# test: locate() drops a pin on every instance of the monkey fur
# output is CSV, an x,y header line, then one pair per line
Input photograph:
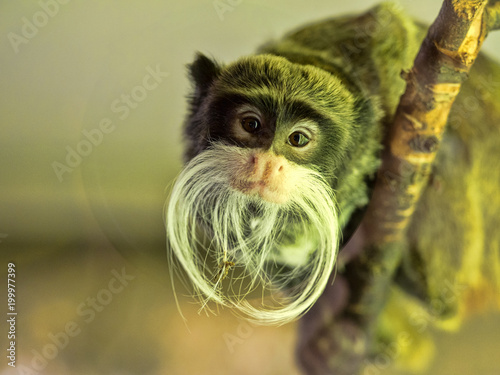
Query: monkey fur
x,y
340,81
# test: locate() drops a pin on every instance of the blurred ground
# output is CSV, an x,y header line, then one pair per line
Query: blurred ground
x,y
138,330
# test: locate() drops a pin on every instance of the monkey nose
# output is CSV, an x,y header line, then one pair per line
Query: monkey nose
x,y
264,174
266,167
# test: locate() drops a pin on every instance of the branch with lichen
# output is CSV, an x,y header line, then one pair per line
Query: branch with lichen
x,y
336,341
441,66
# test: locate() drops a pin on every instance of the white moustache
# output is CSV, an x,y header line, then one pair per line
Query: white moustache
x,y
286,249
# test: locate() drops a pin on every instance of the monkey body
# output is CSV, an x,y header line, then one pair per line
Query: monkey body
x,y
451,263
453,233
337,84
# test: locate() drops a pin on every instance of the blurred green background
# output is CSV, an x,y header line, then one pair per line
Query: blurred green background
x,y
93,97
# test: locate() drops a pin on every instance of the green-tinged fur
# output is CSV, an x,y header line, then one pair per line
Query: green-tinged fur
x,y
453,255
349,70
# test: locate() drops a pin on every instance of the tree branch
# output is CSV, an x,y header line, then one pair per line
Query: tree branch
x,y
441,66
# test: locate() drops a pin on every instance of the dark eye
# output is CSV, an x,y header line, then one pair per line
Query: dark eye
x,y
250,124
298,139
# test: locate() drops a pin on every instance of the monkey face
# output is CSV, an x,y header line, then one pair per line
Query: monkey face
x,y
266,139
299,112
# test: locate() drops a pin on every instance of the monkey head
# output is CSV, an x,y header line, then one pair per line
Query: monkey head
x,y
269,145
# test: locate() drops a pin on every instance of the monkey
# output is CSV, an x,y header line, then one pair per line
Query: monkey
x,y
282,150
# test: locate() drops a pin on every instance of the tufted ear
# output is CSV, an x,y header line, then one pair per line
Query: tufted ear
x,y
203,71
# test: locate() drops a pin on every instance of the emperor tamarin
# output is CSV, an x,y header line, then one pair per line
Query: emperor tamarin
x,y
283,146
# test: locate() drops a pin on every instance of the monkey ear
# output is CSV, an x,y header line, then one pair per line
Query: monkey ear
x,y
203,72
